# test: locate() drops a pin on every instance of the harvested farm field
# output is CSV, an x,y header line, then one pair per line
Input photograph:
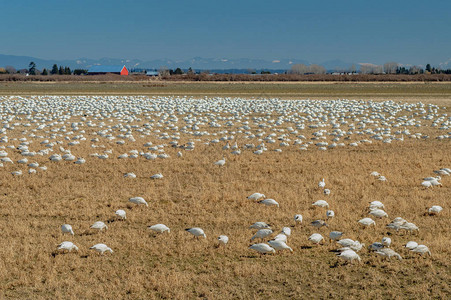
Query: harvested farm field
x,y
112,160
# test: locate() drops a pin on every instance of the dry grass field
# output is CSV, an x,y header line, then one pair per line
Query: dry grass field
x,y
196,193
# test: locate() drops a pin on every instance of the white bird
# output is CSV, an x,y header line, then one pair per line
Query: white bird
x,y
367,222
335,235
321,203
330,214
378,213
138,200
101,248
223,239
259,225
374,173
426,184
197,232
221,162
435,210
66,228
349,255
322,183
298,218
160,228
382,178
376,204
279,245
269,202
375,246
262,233
386,241
409,227
121,213
326,192
157,176
411,245
99,225
286,231
69,246
346,242
421,249
262,248
387,252
129,175
316,238
256,196
281,237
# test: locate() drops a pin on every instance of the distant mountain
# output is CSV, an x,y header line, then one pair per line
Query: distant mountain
x,y
197,63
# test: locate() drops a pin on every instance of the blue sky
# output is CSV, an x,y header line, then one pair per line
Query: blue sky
x,y
414,32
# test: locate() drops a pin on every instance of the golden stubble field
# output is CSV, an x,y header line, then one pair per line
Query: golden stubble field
x,y
196,193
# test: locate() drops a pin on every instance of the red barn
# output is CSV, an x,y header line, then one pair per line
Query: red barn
x,y
98,70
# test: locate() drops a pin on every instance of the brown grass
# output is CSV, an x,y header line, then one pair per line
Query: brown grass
x,y
194,192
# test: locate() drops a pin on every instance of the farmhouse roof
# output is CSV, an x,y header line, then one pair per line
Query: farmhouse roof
x,y
106,69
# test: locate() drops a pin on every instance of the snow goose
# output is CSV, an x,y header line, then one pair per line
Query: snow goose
x,y
318,223
196,232
298,219
281,237
223,239
387,252
262,248
138,200
259,225
256,196
101,248
349,255
121,213
221,162
386,241
262,233
157,176
279,245
66,228
411,245
421,249
321,203
335,235
316,238
99,225
434,210
69,246
160,228
286,231
330,214
322,183
367,222
269,202
379,213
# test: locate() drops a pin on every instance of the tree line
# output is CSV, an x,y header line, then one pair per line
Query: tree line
x,y
32,70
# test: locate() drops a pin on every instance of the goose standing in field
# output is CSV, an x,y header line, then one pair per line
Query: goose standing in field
x,y
379,213
223,239
388,253
138,200
434,210
322,184
221,162
269,202
376,205
330,214
319,223
261,234
281,237
335,235
375,174
129,175
69,246
346,242
316,238
160,228
382,178
196,232
279,245
66,228
367,222
298,219
101,248
326,192
386,241
421,249
349,255
157,176
411,245
321,203
256,196
262,248
260,225
121,213
409,227
99,225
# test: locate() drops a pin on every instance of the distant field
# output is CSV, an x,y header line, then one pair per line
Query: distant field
x,y
386,90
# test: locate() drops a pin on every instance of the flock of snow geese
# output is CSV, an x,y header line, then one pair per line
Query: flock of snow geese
x,y
54,126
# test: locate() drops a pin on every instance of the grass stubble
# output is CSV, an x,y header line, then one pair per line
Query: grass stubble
x,y
196,193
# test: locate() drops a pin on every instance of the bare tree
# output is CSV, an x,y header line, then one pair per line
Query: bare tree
x,y
390,67
317,69
299,69
163,71
10,69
